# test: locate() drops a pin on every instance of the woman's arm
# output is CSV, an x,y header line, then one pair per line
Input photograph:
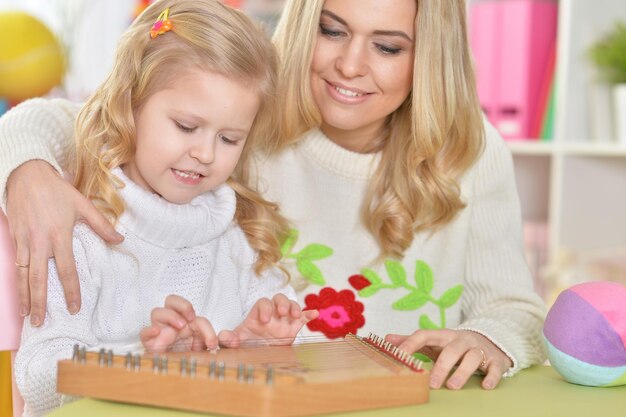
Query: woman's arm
x,y
500,302
36,139
502,315
36,129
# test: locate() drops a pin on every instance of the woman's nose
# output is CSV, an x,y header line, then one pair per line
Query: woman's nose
x,y
352,62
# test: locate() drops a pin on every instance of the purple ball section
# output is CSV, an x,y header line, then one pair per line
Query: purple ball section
x,y
576,328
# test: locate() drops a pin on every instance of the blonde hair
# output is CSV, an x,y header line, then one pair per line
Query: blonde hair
x,y
435,136
206,35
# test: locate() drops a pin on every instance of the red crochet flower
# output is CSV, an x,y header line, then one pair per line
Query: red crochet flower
x,y
340,313
359,282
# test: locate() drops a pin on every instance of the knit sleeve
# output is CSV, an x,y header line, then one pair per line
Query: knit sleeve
x,y
41,347
499,300
36,129
270,282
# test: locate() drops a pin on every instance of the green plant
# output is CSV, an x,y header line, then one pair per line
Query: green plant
x,y
609,54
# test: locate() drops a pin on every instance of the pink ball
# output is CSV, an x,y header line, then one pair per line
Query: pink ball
x,y
585,333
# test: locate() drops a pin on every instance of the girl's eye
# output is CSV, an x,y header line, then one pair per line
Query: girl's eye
x,y
184,128
228,141
326,31
388,50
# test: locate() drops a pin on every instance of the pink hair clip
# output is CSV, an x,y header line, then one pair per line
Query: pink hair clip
x,y
162,24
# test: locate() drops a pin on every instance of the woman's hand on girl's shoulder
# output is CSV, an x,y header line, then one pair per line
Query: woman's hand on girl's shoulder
x,y
42,209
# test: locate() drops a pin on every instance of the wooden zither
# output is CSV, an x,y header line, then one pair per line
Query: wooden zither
x,y
354,373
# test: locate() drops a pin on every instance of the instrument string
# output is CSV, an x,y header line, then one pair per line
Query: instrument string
x,y
336,354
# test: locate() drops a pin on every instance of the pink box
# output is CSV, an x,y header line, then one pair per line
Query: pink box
x,y
512,42
11,323
484,41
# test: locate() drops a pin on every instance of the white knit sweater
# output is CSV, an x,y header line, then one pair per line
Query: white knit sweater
x,y
192,250
471,274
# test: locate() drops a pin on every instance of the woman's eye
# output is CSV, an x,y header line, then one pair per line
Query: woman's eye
x,y
388,50
186,129
326,31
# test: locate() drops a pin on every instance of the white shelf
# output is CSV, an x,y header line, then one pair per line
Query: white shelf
x,y
594,149
531,147
591,149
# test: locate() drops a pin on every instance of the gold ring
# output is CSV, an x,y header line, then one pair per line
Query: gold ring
x,y
483,364
19,265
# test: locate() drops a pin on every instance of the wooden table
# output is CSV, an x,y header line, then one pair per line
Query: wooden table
x,y
538,391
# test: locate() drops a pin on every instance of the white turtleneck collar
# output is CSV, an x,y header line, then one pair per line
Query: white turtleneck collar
x,y
168,225
337,159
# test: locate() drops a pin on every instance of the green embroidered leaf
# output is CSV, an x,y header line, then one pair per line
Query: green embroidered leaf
x,y
289,242
371,276
315,251
412,301
424,277
426,323
422,357
310,271
451,296
369,291
396,272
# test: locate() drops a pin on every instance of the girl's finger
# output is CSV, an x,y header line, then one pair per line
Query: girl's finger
x,y
262,310
309,315
181,305
161,316
295,311
282,304
203,334
228,338
149,333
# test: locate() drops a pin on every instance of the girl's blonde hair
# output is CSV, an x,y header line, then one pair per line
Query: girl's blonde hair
x,y
205,35
431,139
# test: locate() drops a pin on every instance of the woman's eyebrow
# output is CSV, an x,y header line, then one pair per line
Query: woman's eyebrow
x,y
376,32
393,33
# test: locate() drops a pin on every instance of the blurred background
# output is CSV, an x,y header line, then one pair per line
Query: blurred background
x,y
551,78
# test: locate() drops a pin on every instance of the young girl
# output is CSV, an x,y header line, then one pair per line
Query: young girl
x,y
402,197
162,146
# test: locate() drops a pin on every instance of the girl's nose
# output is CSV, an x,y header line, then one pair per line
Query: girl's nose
x,y
203,151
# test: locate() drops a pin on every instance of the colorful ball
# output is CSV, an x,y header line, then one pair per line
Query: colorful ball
x,y
32,62
585,334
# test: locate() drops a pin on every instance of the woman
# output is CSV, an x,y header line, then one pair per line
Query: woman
x,y
403,203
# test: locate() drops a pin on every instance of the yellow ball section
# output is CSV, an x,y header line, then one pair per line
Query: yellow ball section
x,y
31,58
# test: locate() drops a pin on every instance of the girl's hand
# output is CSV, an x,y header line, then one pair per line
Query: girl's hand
x,y
176,328
42,209
276,321
461,348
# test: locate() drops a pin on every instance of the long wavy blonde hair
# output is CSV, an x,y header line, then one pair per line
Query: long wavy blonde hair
x,y
206,35
434,137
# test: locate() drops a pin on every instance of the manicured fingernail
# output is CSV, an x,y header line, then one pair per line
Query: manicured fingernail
x,y
23,311
453,383
35,321
73,308
488,385
435,383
